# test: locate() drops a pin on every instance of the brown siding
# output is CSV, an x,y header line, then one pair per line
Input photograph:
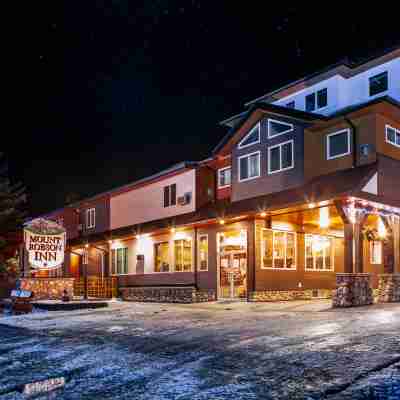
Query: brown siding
x,y
388,178
383,147
205,186
102,206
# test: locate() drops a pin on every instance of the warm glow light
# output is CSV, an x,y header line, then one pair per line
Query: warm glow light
x,y
381,228
311,205
221,222
173,230
320,243
110,242
86,245
138,237
324,217
263,214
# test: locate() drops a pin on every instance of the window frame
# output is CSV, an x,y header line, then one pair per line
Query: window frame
x,y
256,126
202,235
171,199
333,255
155,257
259,166
396,132
315,93
90,218
291,129
191,254
219,174
291,104
293,268
371,252
114,261
280,145
374,76
328,147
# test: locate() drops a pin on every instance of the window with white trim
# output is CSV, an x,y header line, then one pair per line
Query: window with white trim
x,y
170,195
393,135
224,177
338,144
317,100
375,251
278,249
203,253
277,128
119,261
378,83
249,166
281,157
251,138
90,218
183,255
319,253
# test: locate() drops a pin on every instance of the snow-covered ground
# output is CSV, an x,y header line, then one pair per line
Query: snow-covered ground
x,y
292,350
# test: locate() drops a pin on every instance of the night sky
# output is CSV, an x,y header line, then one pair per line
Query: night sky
x,y
117,90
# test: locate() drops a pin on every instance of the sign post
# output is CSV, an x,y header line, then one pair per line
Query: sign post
x,y
45,244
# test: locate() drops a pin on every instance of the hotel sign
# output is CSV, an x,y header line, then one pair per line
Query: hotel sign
x,y
45,243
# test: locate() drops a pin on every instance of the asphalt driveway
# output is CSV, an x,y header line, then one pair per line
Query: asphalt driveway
x,y
288,350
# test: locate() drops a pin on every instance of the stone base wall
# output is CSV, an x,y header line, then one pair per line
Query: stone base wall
x,y
48,288
167,294
352,290
287,295
389,288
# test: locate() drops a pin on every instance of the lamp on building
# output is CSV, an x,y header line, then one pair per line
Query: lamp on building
x,y
173,230
263,214
324,217
222,222
381,228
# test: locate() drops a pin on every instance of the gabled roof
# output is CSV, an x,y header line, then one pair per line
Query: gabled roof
x,y
344,67
238,120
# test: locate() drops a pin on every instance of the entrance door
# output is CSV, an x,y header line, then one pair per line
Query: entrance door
x,y
232,257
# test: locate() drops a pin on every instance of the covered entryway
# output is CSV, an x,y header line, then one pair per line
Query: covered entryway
x,y
232,264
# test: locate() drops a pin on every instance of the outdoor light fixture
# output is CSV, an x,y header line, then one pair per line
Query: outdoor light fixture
x,y
324,217
221,222
87,245
381,228
311,205
173,230
263,214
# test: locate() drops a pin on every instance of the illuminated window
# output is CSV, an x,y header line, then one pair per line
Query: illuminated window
x,y
252,137
375,251
119,261
90,218
203,253
319,253
161,257
378,83
278,249
249,166
183,255
170,195
224,177
393,136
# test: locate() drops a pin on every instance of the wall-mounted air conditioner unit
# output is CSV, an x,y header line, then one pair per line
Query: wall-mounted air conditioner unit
x,y
185,199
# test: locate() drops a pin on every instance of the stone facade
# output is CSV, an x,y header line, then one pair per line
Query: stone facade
x,y
352,290
167,294
281,295
48,288
389,288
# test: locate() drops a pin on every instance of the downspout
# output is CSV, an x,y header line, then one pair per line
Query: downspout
x,y
354,141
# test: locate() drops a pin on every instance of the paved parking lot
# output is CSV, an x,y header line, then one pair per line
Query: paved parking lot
x,y
288,350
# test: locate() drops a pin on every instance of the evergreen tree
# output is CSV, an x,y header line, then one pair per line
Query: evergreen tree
x,y
12,214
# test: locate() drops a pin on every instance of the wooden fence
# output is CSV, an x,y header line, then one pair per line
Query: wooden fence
x,y
102,288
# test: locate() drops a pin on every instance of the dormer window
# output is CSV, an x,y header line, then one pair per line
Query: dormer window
x,y
251,138
224,177
378,83
277,128
317,100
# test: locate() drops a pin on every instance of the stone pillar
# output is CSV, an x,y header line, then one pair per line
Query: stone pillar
x,y
389,288
352,290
